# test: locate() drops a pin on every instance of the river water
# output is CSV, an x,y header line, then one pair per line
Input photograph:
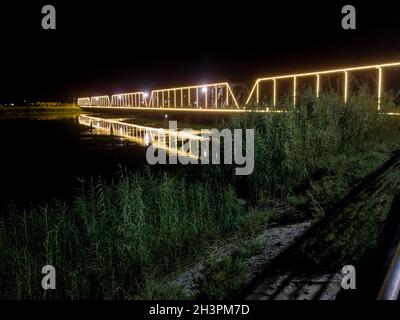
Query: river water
x,y
41,157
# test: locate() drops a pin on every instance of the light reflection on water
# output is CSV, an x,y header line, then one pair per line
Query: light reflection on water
x,y
172,141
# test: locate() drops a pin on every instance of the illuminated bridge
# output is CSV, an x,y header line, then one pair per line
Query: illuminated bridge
x,y
269,92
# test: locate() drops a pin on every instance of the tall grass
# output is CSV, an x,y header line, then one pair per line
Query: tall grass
x,y
114,237
293,145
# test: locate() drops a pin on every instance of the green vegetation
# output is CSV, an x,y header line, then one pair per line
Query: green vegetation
x,y
121,239
355,233
356,230
312,139
223,279
114,237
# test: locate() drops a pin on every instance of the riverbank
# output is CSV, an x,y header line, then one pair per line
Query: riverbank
x,y
41,109
122,239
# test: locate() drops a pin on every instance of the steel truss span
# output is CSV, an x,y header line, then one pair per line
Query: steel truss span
x,y
220,97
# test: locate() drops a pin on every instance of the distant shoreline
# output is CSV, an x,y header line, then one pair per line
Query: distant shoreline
x,y
35,110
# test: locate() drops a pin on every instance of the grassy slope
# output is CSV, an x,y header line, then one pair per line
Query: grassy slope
x,y
327,247
355,228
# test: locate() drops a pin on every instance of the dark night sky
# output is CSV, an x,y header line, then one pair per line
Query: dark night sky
x,y
110,46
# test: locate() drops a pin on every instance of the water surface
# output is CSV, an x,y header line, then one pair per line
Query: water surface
x,y
42,156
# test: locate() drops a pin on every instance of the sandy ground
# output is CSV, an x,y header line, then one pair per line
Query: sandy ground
x,y
275,241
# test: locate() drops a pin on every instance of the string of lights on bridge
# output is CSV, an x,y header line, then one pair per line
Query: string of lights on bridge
x,y
220,97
